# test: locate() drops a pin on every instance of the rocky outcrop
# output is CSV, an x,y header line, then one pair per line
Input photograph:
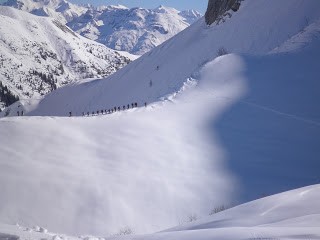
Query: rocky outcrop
x,y
217,8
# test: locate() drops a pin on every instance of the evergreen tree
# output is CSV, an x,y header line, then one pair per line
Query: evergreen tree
x,y
6,96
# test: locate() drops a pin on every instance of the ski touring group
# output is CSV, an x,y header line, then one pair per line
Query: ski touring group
x,y
109,111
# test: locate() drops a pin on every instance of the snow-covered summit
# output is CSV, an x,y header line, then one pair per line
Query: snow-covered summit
x,y
59,9
135,30
191,16
118,6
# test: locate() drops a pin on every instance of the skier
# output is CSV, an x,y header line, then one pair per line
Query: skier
x,y
145,104
70,114
136,104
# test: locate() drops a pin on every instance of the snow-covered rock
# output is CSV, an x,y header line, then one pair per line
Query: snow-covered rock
x,y
39,54
133,30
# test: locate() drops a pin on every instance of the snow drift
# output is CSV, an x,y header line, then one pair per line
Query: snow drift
x,y
282,216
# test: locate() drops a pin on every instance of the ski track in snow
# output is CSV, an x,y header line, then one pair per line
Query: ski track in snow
x,y
268,109
308,121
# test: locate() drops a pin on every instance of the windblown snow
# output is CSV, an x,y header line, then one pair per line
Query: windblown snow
x,y
216,131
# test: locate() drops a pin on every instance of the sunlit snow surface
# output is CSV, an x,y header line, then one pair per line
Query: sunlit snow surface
x,y
216,131
285,216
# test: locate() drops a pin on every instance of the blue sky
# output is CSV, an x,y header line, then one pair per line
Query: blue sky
x,y
199,5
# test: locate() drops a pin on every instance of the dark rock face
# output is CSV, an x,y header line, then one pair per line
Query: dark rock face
x,y
217,8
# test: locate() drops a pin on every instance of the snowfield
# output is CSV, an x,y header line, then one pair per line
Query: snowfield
x,y
216,131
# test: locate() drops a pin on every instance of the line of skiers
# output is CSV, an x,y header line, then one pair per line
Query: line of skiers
x,y
109,111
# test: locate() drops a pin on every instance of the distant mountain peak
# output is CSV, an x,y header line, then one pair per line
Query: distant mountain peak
x,y
118,6
166,10
62,10
38,55
136,30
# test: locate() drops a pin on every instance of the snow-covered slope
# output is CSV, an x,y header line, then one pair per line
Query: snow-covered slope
x,y
223,141
135,30
296,208
39,54
164,70
282,216
228,130
289,215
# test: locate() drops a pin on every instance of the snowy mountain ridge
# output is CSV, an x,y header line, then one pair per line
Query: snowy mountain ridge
x,y
59,9
39,54
135,30
180,66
